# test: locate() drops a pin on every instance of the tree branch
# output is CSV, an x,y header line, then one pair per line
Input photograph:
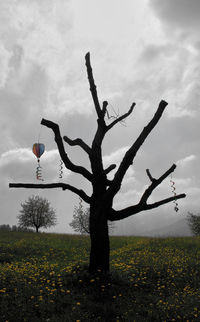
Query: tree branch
x,y
149,175
119,119
92,85
132,210
58,139
164,201
110,168
131,153
104,109
78,142
64,186
142,205
116,215
155,183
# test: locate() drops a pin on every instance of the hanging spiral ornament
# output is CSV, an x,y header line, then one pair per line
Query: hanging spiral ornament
x,y
174,193
61,169
39,171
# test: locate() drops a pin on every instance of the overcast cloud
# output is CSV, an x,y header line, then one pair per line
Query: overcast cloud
x,y
141,51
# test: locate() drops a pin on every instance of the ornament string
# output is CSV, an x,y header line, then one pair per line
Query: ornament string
x,y
61,169
39,171
174,193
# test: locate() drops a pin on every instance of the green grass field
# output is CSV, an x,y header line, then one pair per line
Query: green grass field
x,y
43,277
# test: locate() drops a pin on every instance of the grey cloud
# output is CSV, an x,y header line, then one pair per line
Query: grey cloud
x,y
153,52
23,110
17,56
182,14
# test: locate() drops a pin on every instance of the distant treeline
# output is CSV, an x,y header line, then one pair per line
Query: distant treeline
x,y
14,228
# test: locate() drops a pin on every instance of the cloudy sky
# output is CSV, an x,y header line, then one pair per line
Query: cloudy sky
x,y
141,51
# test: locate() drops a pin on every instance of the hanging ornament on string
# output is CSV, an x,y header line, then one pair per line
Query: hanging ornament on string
x,y
38,150
61,169
174,193
114,115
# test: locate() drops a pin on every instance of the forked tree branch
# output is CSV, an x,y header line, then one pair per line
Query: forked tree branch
x,y
58,139
142,205
133,210
155,183
149,175
102,128
131,153
78,142
64,186
119,119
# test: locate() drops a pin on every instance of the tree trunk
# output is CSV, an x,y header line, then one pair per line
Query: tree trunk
x,y
37,229
100,248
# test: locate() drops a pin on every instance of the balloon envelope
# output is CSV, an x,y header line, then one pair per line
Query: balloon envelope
x,y
38,149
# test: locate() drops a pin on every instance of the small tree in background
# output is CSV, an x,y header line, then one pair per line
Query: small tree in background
x,y
37,213
80,222
194,223
14,228
5,227
81,219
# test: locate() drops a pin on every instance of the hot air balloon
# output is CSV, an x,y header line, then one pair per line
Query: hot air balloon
x,y
38,150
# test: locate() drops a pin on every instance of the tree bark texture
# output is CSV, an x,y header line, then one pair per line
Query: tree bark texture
x,y
100,248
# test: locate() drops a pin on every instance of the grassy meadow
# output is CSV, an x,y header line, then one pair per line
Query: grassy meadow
x,y
43,277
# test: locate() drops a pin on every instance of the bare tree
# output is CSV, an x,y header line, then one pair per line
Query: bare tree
x,y
80,221
37,213
194,223
103,189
